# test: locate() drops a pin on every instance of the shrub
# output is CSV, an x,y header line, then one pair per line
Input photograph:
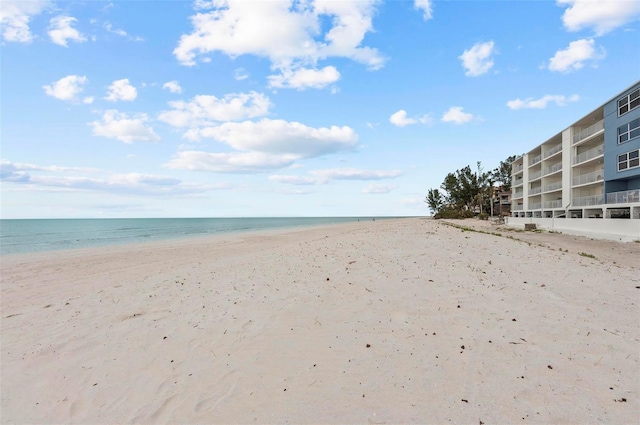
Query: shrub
x,y
483,216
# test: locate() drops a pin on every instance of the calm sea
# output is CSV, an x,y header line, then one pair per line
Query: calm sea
x,y
22,236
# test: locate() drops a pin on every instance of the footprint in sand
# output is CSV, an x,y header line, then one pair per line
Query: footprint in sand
x,y
227,385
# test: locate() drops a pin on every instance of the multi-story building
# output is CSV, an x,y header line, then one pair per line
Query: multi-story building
x,y
589,170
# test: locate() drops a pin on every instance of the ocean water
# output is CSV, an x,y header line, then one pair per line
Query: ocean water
x,y
24,236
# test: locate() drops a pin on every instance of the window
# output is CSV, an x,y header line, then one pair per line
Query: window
x,y
629,160
629,131
629,102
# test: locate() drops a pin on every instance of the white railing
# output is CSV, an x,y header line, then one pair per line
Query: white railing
x,y
586,201
553,186
552,168
535,205
535,190
517,182
624,197
536,159
517,194
591,177
588,155
553,150
517,168
517,207
535,175
589,131
553,204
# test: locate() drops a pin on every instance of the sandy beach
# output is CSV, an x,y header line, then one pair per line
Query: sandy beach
x,y
376,322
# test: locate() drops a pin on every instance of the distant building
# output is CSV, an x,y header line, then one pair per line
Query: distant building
x,y
591,169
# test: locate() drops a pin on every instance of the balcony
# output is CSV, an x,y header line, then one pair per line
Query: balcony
x,y
552,168
624,197
553,186
535,205
588,155
535,160
553,150
517,168
591,177
517,182
535,190
535,175
516,195
553,204
587,201
588,132
517,207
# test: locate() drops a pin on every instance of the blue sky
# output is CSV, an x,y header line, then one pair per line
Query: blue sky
x,y
237,108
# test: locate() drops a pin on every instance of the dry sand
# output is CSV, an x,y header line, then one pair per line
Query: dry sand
x,y
392,321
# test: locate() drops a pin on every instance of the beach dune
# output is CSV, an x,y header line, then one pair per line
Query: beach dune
x,y
386,321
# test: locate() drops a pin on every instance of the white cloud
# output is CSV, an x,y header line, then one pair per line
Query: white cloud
x,y
323,176
290,34
602,16
116,31
573,57
456,115
66,88
206,109
426,7
245,162
88,100
377,189
68,178
121,90
119,31
118,125
172,86
541,103
240,74
354,174
282,137
304,78
264,146
60,30
294,180
477,60
400,119
15,16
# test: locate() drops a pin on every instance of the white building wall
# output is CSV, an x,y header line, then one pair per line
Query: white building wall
x,y
567,160
617,230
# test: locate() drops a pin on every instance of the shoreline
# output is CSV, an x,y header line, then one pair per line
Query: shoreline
x,y
397,321
160,237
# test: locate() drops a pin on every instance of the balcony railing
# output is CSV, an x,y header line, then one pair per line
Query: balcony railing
x,y
517,194
535,190
591,177
535,175
588,155
586,201
535,205
536,159
552,168
553,204
624,197
553,186
517,168
589,131
553,150
517,207
517,182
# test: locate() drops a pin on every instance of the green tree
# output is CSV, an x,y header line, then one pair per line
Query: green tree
x,y
502,174
434,200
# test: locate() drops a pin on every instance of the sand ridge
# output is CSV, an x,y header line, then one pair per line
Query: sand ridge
x,y
392,321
